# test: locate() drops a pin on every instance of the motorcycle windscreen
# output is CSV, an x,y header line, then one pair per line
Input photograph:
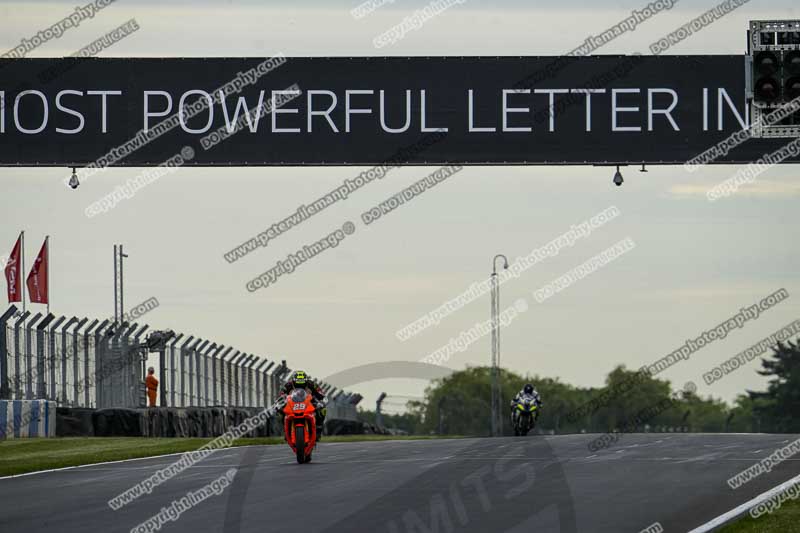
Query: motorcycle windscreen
x,y
298,395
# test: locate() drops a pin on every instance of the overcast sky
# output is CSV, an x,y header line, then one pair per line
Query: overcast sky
x,y
694,265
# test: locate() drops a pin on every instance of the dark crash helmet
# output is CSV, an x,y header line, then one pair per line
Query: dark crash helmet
x,y
528,388
298,379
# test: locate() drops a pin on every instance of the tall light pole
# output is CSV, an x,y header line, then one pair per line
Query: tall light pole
x,y
119,299
497,420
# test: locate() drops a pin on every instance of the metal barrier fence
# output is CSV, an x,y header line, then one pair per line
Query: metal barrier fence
x,y
82,363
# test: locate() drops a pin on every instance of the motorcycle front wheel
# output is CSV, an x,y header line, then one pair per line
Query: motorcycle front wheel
x,y
300,444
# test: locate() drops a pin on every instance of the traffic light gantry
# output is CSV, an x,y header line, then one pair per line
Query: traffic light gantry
x,y
774,76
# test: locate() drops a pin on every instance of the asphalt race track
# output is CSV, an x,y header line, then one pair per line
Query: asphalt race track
x,y
537,484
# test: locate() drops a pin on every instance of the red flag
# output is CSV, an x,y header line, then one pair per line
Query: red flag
x,y
37,279
14,273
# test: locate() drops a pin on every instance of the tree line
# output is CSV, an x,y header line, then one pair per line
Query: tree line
x,y
459,403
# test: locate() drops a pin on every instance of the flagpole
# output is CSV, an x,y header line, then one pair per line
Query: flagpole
x,y
22,263
47,252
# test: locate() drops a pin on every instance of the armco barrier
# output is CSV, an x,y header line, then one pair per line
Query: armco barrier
x,y
181,422
27,418
158,422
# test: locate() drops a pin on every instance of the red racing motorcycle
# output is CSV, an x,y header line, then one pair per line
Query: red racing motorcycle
x,y
300,424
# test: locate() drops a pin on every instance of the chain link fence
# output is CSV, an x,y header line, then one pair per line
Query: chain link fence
x,y
78,362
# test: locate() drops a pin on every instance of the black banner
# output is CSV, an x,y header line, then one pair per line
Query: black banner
x,y
364,111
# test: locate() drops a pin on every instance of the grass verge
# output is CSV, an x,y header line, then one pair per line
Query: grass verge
x,y
20,456
783,520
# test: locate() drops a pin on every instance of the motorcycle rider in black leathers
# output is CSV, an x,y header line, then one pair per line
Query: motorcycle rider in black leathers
x,y
300,380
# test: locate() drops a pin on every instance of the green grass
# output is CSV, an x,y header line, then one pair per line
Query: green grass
x,y
30,455
786,519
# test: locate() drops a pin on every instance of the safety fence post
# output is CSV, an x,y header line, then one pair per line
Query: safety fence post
x,y
5,390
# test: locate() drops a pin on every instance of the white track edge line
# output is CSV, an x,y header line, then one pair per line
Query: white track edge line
x,y
743,508
122,461
181,453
